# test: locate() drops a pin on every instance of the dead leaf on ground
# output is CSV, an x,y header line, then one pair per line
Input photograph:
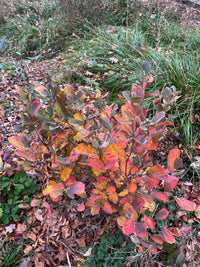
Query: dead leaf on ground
x,y
197,212
21,228
10,228
88,252
28,249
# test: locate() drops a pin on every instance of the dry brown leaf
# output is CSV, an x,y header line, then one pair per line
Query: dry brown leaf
x,y
81,242
28,249
39,263
197,212
39,215
21,227
10,228
88,252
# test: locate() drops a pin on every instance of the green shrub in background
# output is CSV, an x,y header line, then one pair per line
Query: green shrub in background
x,y
15,190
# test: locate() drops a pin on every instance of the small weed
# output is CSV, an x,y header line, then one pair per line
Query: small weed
x,y
15,190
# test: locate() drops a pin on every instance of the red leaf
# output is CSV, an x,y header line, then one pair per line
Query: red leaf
x,y
141,229
157,239
91,200
128,227
153,249
160,195
170,183
173,154
81,207
149,222
70,180
162,214
27,155
151,183
46,205
96,164
102,179
76,188
168,236
138,203
186,204
110,190
156,171
107,208
124,200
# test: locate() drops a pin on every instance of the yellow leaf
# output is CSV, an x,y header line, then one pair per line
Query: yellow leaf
x,y
65,173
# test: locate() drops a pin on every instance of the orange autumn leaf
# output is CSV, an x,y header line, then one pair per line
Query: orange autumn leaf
x,y
54,191
65,173
113,197
157,239
132,187
128,209
173,154
121,220
110,190
149,222
88,150
16,141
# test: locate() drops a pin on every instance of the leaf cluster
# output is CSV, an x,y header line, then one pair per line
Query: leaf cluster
x,y
66,128
15,190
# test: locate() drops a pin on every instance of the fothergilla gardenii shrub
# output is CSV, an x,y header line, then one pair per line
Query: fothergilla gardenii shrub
x,y
115,142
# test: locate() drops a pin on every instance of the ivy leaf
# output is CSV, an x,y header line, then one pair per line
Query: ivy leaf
x,y
186,204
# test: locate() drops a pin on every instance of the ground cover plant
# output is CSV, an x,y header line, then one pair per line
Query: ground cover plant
x,y
15,191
